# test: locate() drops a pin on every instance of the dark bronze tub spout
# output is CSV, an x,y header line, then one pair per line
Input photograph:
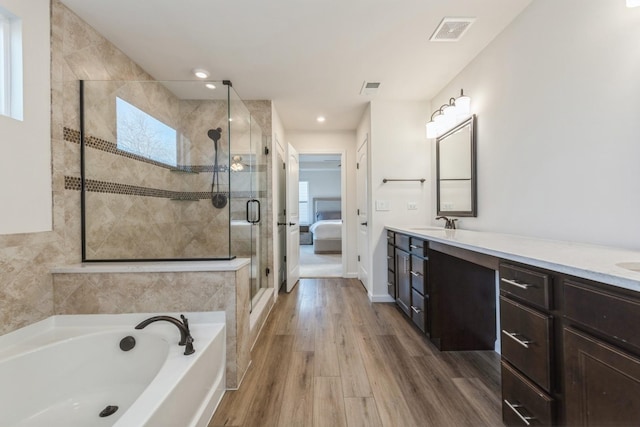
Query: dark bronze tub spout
x,y
185,335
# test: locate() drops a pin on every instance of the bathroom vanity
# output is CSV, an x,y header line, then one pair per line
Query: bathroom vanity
x,y
567,316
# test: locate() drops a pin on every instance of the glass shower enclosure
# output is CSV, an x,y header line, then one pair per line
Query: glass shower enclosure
x,y
171,171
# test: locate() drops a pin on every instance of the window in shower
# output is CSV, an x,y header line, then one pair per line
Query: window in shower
x,y
141,134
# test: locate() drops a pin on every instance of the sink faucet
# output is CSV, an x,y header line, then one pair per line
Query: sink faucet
x,y
185,334
450,222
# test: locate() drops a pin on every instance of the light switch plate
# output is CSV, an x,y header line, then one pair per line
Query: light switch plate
x,y
383,205
412,206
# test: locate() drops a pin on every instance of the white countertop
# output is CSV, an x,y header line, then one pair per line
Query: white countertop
x,y
592,262
153,266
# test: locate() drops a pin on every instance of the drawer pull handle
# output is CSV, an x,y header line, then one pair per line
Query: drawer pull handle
x,y
512,335
514,407
414,246
514,283
416,309
389,257
413,273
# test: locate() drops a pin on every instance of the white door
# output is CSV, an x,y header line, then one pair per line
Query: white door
x,y
282,220
293,218
363,217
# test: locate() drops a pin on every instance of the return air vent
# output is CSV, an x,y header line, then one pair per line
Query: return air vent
x,y
451,29
369,88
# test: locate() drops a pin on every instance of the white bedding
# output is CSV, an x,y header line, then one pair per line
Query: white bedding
x,y
327,229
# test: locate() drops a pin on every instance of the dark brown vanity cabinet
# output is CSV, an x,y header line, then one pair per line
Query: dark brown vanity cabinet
x,y
410,285
527,342
391,264
601,355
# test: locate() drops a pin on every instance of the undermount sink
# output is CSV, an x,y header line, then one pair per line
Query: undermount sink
x,y
633,266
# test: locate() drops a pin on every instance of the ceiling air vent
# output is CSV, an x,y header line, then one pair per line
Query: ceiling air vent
x,y
369,88
451,29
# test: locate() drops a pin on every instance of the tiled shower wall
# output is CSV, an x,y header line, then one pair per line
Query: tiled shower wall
x,y
162,211
78,52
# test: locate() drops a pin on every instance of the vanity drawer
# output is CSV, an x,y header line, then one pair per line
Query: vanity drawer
x,y
418,304
391,257
522,402
418,273
617,316
391,283
526,341
391,237
402,242
529,285
418,247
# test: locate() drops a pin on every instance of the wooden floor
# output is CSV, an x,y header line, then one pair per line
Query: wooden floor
x,y
329,357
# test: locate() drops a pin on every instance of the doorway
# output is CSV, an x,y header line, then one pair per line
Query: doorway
x,y
321,217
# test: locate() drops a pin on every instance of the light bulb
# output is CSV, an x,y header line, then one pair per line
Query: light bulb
x,y
463,105
432,130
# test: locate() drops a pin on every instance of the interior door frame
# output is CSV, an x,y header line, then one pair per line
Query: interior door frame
x,y
343,194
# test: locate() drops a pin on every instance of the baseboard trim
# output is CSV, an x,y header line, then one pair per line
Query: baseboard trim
x,y
351,276
381,298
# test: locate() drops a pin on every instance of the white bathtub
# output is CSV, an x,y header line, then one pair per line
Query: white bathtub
x,y
63,371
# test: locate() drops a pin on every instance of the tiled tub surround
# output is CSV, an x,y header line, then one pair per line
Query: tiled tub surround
x,y
114,288
593,262
64,370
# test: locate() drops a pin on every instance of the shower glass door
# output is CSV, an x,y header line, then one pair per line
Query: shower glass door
x,y
248,192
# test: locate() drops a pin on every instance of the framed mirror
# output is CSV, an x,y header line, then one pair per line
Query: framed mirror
x,y
456,170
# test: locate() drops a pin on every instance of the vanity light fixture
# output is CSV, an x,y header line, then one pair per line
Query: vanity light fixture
x,y
448,115
633,3
200,73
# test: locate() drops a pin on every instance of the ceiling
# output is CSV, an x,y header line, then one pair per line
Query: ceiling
x,y
311,57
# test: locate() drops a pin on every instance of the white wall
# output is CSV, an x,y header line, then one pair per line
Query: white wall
x,y
399,149
336,142
25,146
557,100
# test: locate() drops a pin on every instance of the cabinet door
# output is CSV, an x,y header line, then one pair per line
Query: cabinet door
x,y
403,281
602,382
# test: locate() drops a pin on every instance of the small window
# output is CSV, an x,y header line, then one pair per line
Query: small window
x,y
303,200
10,65
141,134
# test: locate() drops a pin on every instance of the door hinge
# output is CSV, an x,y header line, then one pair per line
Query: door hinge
x,y
358,211
284,166
266,150
285,258
358,258
357,165
267,271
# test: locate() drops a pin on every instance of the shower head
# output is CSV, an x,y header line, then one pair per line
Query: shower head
x,y
215,134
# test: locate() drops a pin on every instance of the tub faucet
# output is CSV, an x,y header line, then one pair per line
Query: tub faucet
x,y
185,334
450,222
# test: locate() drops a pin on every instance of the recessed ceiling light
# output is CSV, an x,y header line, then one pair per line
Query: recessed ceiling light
x,y
200,73
210,86
321,119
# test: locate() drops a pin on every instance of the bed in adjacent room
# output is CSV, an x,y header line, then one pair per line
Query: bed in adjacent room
x,y
327,228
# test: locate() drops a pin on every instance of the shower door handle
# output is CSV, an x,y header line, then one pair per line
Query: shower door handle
x,y
249,202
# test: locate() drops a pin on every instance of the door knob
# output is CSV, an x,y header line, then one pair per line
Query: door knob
x,y
291,224
281,223
364,223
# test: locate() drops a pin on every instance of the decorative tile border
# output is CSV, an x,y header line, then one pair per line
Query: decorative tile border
x,y
94,186
73,136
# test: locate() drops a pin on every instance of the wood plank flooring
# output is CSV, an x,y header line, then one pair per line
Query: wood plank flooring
x,y
328,357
